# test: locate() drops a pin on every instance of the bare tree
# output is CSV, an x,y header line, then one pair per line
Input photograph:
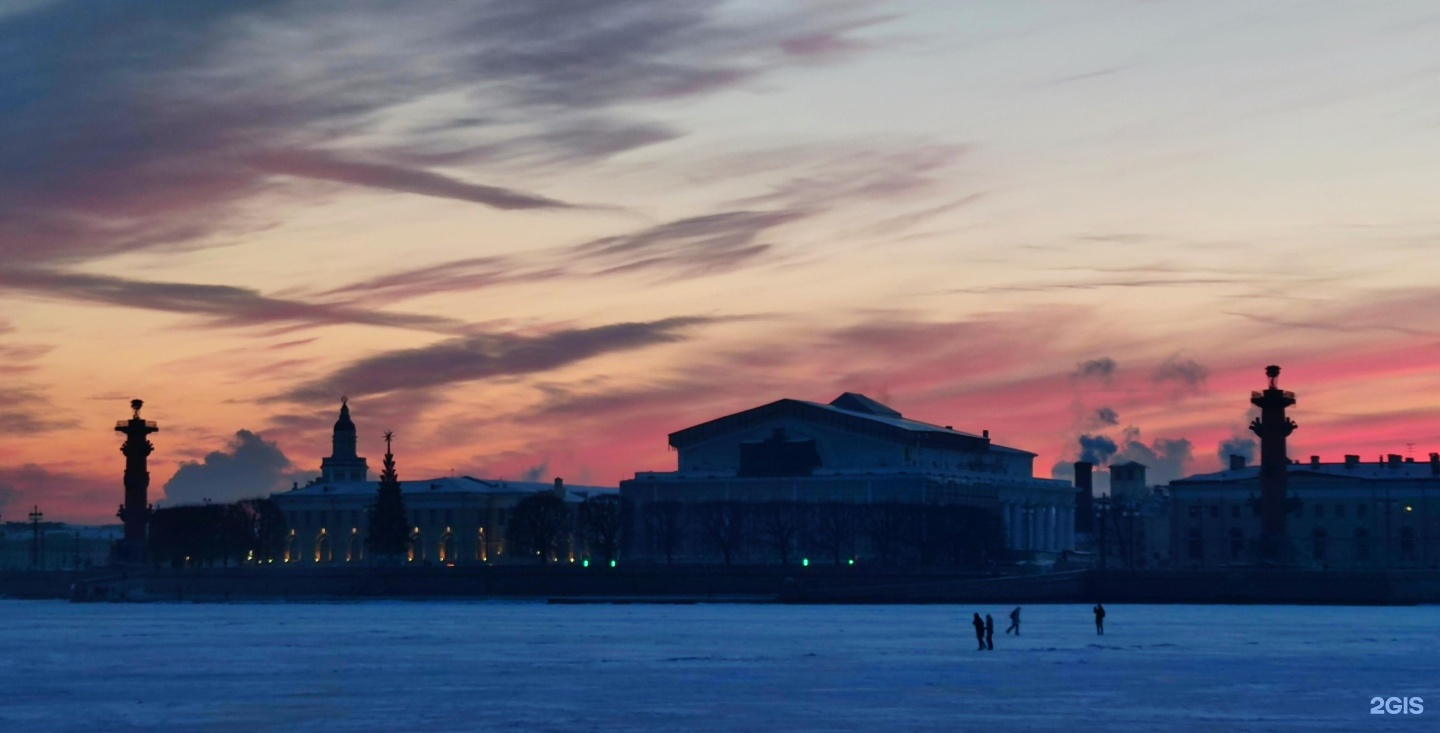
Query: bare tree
x,y
834,528
602,524
781,525
968,535
723,527
885,526
540,525
665,525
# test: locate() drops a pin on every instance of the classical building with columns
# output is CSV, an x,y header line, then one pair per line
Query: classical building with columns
x,y
455,520
852,451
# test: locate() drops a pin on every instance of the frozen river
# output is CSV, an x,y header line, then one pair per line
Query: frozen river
x,y
518,666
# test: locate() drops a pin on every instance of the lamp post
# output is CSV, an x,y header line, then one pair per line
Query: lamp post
x,y
35,556
1102,514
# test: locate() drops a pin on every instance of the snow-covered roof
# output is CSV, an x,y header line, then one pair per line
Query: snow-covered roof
x,y
862,413
446,485
1356,471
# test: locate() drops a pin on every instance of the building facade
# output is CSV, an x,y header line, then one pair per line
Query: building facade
x,y
1351,514
855,451
455,520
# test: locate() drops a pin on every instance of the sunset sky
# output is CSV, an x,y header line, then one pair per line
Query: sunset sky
x,y
533,238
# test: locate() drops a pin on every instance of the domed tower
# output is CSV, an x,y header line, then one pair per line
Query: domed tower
x,y
343,465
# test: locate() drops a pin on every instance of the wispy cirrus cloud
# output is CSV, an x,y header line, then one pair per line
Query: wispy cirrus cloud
x,y
487,355
217,305
180,163
26,410
688,247
327,167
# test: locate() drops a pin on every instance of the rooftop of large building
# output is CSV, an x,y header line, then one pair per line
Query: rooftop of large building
x,y
447,485
853,407
1392,468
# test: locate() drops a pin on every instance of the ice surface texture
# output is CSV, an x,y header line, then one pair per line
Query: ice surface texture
x,y
521,666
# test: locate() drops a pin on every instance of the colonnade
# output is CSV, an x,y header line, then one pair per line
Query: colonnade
x,y
1038,527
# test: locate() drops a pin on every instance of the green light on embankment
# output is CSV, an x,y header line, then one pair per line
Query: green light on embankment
x,y
805,562
852,561
584,563
612,563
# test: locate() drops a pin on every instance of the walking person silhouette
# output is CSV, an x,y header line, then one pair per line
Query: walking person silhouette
x,y
989,632
1014,621
979,631
1099,619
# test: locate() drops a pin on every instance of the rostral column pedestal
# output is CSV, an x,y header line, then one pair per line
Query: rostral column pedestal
x,y
135,512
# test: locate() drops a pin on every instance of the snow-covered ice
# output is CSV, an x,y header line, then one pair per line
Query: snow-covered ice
x,y
526,666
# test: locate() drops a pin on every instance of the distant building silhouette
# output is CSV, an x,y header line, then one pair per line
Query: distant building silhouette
x,y
1349,514
852,451
456,520
135,512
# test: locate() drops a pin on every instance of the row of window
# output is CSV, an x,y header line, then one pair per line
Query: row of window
x,y
1317,510
356,518
1319,544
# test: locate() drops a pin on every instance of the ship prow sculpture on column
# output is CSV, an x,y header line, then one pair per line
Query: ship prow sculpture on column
x,y
135,512
1273,427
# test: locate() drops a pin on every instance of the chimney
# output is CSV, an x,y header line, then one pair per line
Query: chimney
x,y
1084,498
1237,462
985,434
1351,461
559,487
1393,459
1314,461
1435,464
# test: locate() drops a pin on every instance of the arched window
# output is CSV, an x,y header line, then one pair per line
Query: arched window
x,y
1317,542
417,547
1237,543
446,550
1362,544
481,553
1407,543
1197,546
322,546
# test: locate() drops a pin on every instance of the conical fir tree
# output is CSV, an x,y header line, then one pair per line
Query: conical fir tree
x,y
389,530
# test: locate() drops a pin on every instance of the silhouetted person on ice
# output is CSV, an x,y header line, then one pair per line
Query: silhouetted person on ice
x,y
1099,619
979,631
989,632
1014,621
